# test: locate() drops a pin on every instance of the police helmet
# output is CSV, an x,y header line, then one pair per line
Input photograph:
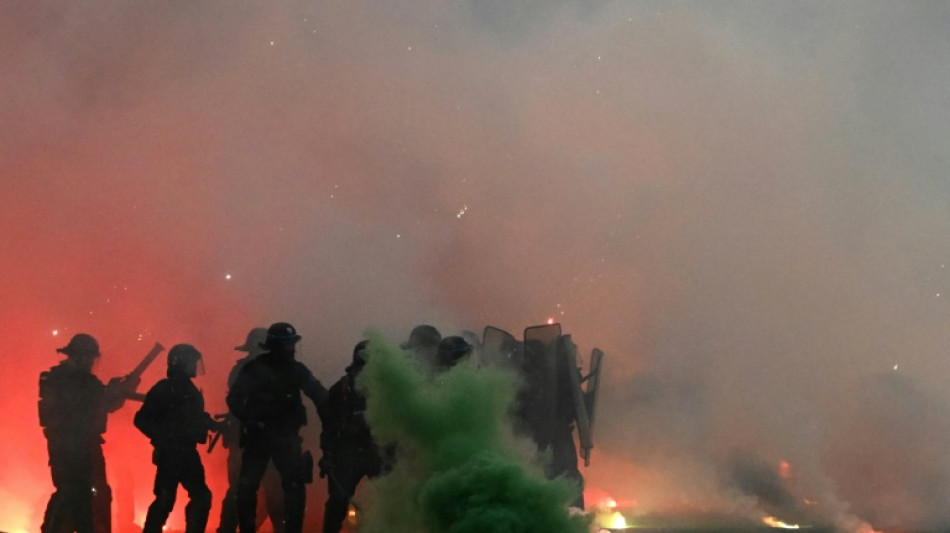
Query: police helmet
x,y
252,345
182,355
423,335
360,356
280,331
452,349
80,344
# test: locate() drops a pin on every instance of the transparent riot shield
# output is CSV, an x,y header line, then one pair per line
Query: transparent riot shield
x,y
500,349
538,398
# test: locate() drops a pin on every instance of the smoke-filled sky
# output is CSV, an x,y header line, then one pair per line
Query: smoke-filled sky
x,y
744,204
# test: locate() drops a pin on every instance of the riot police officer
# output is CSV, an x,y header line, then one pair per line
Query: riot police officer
x,y
349,453
545,410
266,399
73,408
272,503
173,416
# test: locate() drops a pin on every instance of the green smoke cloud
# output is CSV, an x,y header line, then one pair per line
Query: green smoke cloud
x,y
458,467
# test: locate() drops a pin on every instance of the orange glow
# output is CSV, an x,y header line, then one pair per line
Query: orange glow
x,y
15,520
614,520
600,499
607,514
771,521
784,470
164,308
352,518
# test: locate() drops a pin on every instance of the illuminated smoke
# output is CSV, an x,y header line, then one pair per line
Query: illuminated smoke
x,y
743,204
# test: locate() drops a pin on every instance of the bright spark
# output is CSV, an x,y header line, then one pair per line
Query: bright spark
x,y
550,320
462,211
55,332
227,276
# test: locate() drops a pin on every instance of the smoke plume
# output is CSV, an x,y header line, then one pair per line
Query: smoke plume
x,y
458,468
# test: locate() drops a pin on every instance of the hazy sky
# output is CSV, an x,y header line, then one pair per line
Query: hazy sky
x,y
744,204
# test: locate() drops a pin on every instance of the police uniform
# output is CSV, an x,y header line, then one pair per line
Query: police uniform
x,y
272,504
73,407
266,399
173,417
349,453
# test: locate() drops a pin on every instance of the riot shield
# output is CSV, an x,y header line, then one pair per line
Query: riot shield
x,y
538,398
500,349
593,384
568,356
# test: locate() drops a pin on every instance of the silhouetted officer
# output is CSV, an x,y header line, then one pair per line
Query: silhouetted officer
x,y
563,447
273,500
349,453
173,416
266,399
424,343
545,410
451,351
73,408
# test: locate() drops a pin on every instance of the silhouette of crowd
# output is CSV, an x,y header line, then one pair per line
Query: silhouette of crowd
x,y
261,430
